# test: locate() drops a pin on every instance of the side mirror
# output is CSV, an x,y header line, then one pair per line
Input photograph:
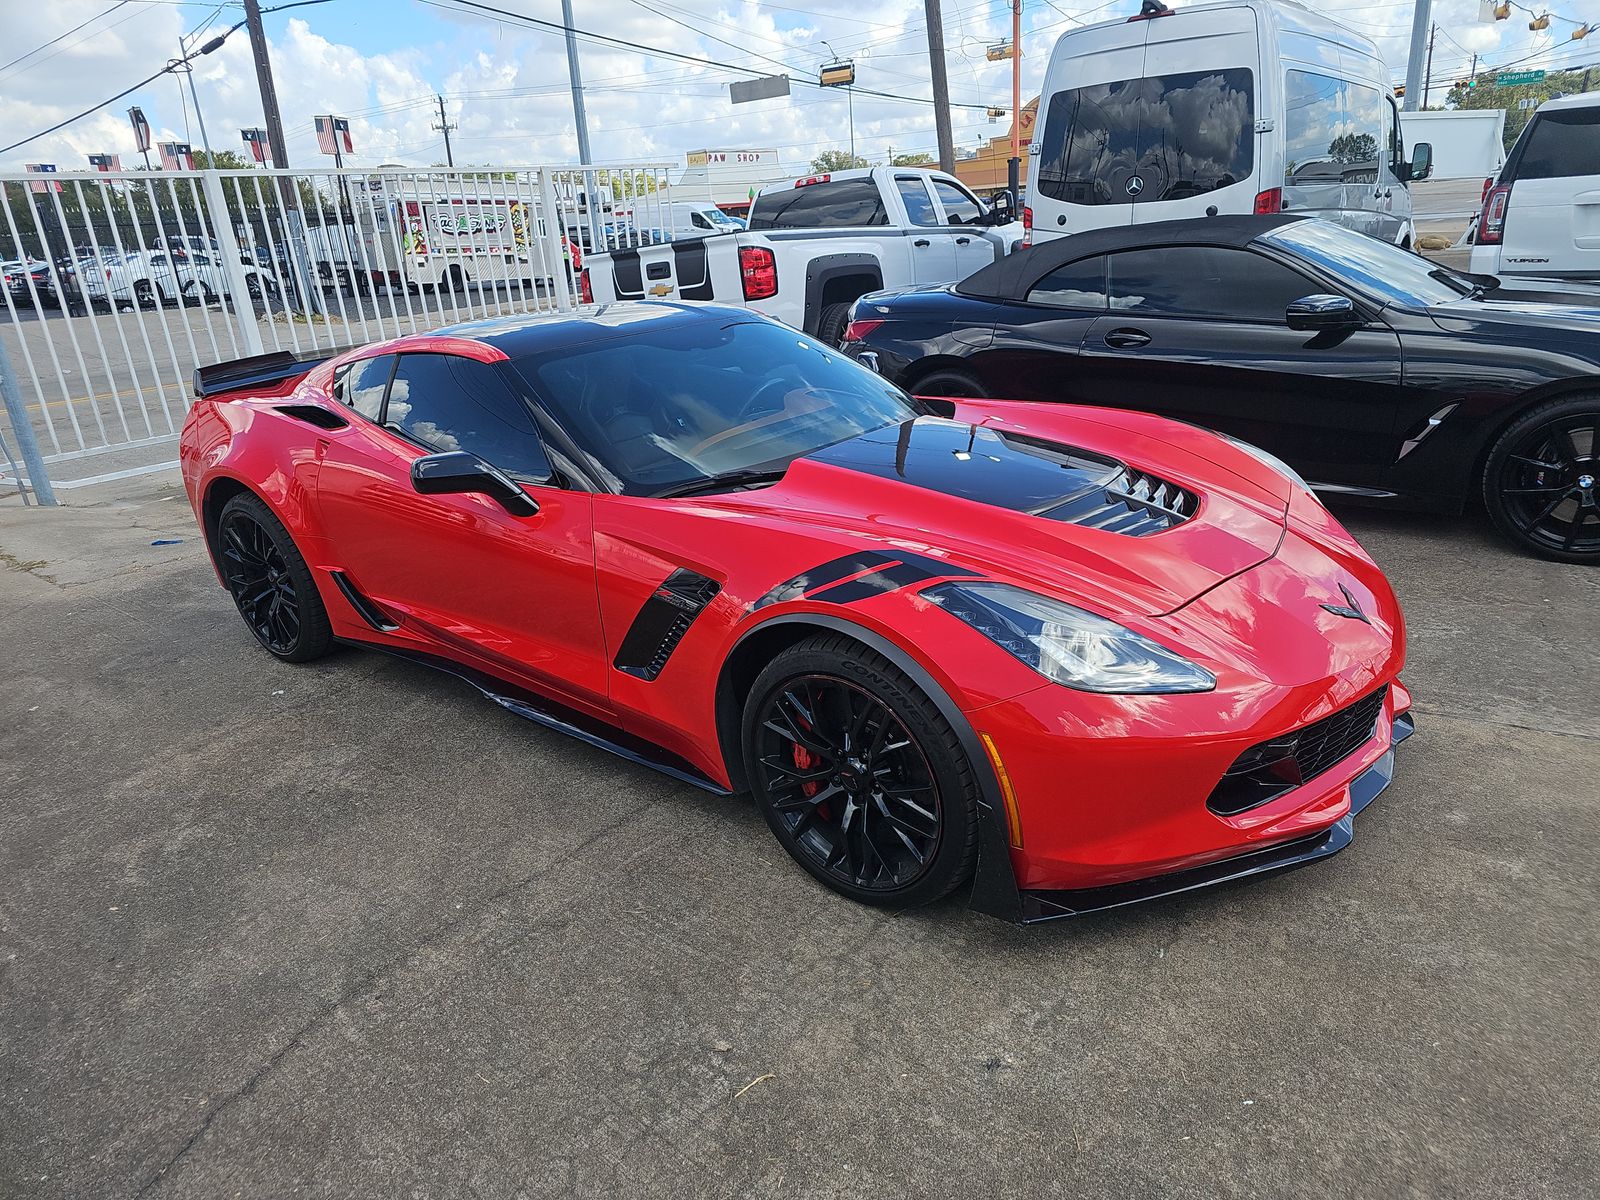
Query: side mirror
x,y
1002,209
1322,312
1421,160
459,473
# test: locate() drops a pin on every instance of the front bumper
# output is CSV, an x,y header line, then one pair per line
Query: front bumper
x,y
1048,905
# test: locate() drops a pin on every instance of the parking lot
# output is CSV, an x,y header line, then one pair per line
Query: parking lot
x,y
351,930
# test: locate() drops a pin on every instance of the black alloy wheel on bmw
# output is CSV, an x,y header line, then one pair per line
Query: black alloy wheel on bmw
x,y
270,582
1542,480
859,776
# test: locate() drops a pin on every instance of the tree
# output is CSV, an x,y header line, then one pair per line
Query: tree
x,y
918,159
837,160
1487,95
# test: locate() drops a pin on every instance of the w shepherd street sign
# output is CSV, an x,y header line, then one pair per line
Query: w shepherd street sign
x,y
1512,78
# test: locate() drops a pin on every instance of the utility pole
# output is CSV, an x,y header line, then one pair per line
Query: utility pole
x,y
1014,167
27,443
941,85
581,119
1427,73
1420,24
445,127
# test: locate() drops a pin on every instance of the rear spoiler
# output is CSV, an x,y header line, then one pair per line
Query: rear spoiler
x,y
259,371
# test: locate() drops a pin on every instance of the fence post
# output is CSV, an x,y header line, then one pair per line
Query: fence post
x,y
244,309
554,225
27,443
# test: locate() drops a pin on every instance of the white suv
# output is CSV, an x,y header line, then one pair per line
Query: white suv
x,y
1541,216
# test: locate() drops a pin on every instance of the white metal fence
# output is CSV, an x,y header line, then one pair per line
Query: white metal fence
x,y
118,285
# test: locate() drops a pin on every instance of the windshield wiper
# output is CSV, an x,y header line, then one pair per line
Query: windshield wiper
x,y
1465,284
726,480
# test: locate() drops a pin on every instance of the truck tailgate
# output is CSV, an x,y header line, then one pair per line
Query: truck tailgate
x,y
677,270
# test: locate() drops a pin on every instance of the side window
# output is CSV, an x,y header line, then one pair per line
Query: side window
x,y
1357,148
364,385
1562,143
821,206
1203,281
336,387
1313,122
919,205
1397,141
449,403
959,208
699,221
1076,285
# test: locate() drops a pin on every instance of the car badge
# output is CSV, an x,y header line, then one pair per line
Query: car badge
x,y
1350,608
1134,186
661,289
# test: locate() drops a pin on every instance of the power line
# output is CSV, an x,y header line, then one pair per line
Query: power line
x,y
67,34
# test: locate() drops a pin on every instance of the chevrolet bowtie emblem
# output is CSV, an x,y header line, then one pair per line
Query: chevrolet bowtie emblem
x,y
661,289
1350,608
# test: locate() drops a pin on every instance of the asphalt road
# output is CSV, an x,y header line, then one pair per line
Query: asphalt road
x,y
348,930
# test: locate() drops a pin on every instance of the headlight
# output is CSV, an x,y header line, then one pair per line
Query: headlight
x,y
1068,645
1269,460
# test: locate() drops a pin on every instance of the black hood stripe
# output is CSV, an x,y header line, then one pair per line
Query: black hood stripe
x,y
884,572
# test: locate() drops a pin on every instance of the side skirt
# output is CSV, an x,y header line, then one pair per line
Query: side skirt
x,y
554,715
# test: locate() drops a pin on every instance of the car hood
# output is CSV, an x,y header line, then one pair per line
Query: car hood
x,y
1127,516
1527,304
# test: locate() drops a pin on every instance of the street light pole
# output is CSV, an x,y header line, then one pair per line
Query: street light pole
x,y
1014,167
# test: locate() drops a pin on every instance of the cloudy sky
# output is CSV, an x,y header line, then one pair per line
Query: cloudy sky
x,y
380,62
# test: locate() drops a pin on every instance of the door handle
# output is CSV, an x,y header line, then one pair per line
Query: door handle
x,y
962,241
921,242
1127,339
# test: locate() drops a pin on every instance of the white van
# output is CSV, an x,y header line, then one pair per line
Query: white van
x,y
1541,215
1238,107
691,219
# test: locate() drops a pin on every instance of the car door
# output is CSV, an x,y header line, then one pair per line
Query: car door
x,y
1198,333
518,591
1553,217
933,249
1034,349
961,211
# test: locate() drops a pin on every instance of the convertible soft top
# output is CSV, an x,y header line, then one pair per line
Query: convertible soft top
x,y
1010,277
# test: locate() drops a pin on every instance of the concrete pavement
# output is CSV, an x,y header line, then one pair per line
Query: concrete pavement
x,y
348,930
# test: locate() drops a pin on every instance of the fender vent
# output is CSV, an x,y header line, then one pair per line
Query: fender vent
x,y
662,621
313,414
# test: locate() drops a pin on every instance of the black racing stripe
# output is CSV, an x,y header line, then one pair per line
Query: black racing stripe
x,y
823,574
894,569
889,579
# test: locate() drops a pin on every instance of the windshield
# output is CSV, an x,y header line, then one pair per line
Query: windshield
x,y
1383,271
672,406
719,219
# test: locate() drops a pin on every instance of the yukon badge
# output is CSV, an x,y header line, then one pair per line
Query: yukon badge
x,y
1350,608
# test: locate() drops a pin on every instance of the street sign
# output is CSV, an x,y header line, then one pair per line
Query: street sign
x,y
764,88
1513,78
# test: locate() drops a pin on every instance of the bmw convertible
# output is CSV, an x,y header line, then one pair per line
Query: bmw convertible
x,y
1067,657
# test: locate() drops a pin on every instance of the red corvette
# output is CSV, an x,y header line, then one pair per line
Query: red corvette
x,y
1078,656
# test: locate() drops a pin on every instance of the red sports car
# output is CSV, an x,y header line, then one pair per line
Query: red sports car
x,y
1081,657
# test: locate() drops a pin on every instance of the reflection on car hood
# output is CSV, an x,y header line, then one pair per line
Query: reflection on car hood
x,y
1125,521
1529,303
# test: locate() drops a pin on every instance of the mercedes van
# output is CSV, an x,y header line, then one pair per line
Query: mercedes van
x,y
1243,106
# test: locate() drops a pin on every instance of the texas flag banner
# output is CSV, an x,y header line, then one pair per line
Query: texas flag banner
x,y
42,185
256,139
106,162
141,130
333,135
176,156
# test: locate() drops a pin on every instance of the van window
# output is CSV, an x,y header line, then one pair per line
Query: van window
x,y
821,205
1333,130
1562,143
1203,281
1165,137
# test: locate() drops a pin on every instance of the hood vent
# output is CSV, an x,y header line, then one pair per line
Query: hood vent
x,y
1130,502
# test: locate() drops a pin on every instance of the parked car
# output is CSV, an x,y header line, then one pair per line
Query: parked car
x,y
33,283
1378,375
689,535
1249,106
1541,215
818,244
151,278
692,219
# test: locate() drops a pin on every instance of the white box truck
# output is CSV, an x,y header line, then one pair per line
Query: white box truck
x,y
1244,106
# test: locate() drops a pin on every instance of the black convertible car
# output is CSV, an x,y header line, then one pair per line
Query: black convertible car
x,y
1376,374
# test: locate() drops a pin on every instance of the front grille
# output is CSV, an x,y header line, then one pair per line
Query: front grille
x,y
1131,502
1268,770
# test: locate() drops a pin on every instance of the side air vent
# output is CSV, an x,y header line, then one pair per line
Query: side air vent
x,y
1268,770
1130,502
313,414
662,621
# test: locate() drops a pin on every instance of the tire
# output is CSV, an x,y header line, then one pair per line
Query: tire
x,y
1541,480
831,324
270,582
456,280
144,294
957,384
896,824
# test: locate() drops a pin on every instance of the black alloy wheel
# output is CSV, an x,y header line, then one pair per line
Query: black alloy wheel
x,y
859,776
1542,480
270,582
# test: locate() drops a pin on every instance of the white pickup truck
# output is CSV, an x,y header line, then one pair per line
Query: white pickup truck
x,y
817,245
